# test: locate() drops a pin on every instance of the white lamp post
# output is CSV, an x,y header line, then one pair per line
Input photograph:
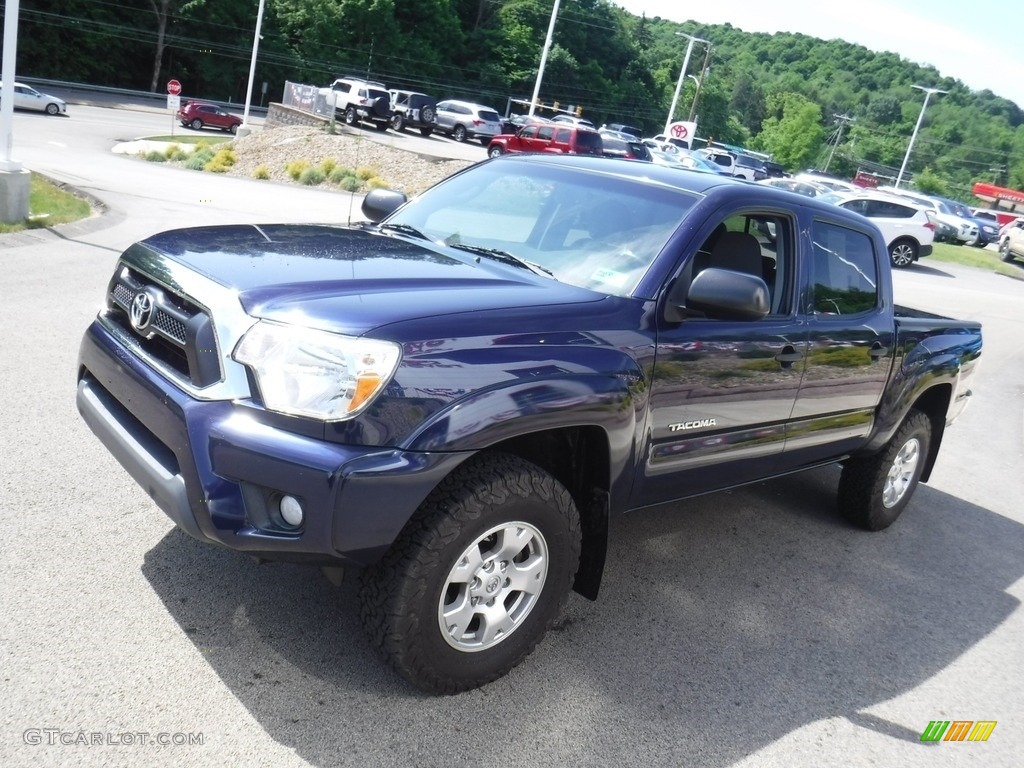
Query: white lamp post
x,y
682,76
244,129
544,58
927,95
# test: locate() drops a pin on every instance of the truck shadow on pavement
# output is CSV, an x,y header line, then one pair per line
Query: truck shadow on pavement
x,y
725,623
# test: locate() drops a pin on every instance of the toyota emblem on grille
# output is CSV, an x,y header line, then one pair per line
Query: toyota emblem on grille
x,y
142,311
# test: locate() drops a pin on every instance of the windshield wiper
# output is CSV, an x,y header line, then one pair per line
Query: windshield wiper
x,y
503,256
405,229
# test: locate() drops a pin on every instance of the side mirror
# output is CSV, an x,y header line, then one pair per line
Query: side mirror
x,y
381,203
726,295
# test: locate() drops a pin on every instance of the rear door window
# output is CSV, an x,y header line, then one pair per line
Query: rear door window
x,y
845,276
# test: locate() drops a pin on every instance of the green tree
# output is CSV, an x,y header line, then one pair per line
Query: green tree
x,y
792,133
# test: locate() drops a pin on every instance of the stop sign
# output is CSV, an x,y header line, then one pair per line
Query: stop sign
x,y
173,87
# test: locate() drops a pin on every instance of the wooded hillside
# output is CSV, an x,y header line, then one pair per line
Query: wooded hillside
x,y
779,93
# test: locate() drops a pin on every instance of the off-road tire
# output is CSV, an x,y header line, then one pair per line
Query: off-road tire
x,y
397,122
382,108
874,490
403,596
351,116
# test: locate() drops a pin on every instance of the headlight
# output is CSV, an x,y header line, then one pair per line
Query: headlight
x,y
313,373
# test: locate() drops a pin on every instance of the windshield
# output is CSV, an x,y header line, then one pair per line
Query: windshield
x,y
586,229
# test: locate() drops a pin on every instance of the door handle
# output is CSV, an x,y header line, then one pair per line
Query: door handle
x,y
788,356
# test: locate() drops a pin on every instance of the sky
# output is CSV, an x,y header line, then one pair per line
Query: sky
x,y
979,42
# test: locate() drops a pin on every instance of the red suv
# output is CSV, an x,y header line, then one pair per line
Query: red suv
x,y
565,139
201,114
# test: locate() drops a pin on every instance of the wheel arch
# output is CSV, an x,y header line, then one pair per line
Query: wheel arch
x,y
580,459
934,403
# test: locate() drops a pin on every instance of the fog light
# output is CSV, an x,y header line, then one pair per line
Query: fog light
x,y
291,511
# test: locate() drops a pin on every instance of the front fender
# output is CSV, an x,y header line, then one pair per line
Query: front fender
x,y
490,416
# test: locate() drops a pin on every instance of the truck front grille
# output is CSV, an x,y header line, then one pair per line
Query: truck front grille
x,y
166,327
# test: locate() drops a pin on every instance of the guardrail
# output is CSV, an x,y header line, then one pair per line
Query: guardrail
x,y
155,100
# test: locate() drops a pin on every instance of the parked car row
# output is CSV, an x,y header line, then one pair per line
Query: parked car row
x,y
356,101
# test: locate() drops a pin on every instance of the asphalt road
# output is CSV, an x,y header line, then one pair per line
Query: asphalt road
x,y
748,628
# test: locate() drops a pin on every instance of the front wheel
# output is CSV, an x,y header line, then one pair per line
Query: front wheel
x,y
52,109
477,578
495,151
1004,250
426,132
459,133
903,253
874,490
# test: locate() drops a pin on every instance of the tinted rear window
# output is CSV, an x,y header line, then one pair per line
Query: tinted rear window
x,y
489,115
589,141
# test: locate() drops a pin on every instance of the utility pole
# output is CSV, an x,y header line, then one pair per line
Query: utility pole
x,y
700,84
843,120
927,95
682,76
544,58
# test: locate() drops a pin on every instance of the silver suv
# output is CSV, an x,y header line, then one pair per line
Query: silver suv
x,y
354,99
1011,241
464,120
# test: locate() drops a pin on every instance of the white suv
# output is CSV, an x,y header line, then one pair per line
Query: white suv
x,y
955,228
354,99
464,120
908,229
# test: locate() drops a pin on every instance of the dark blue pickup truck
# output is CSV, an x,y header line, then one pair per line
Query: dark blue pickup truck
x,y
455,396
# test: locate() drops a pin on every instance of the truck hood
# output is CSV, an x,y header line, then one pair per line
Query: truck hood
x,y
350,280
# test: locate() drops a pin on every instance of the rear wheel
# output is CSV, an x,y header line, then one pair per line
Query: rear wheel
x,y
874,490
903,253
196,124
426,131
397,122
381,126
459,133
351,117
477,578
